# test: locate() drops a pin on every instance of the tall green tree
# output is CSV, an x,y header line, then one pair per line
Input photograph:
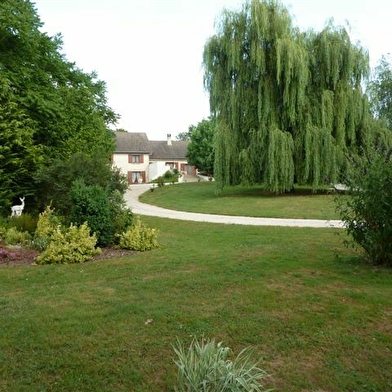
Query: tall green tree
x,y
19,156
50,109
201,152
288,105
184,136
380,91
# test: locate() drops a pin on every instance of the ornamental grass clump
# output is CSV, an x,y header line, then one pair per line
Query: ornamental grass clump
x,y
139,237
205,366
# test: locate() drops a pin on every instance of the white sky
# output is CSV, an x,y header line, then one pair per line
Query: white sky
x,y
149,52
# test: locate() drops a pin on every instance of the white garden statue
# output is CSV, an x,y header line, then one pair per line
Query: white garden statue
x,y
18,209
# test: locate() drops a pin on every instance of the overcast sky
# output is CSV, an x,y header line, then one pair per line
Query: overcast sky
x,y
149,52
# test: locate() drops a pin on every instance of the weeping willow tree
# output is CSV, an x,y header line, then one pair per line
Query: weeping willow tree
x,y
288,105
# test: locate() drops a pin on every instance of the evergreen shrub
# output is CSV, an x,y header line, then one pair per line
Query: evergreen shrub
x,y
139,237
74,245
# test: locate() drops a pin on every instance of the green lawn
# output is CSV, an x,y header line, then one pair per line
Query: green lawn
x,y
318,317
246,201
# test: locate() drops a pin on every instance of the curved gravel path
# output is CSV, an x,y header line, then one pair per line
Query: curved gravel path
x,y
132,199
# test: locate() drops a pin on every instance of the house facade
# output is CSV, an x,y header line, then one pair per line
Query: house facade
x,y
142,160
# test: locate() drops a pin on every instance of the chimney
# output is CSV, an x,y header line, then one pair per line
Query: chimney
x,y
169,142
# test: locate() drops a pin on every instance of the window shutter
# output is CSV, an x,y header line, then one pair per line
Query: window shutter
x,y
129,177
141,158
144,177
129,158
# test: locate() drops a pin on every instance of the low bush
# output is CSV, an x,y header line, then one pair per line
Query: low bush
x,y
205,366
139,237
74,245
167,177
15,237
24,222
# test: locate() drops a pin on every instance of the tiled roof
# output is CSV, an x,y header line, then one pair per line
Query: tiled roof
x,y
131,142
160,150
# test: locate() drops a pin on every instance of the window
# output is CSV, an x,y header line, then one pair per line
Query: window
x,y
136,177
135,158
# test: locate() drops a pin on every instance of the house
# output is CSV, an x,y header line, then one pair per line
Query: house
x,y
143,160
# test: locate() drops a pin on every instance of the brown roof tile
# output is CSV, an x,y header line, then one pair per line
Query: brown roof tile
x,y
128,142
132,142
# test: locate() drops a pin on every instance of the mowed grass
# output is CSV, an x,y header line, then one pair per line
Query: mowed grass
x,y
244,201
318,317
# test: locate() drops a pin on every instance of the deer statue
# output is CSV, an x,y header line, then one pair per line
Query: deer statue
x,y
18,209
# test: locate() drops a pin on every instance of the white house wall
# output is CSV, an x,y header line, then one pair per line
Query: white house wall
x,y
156,169
121,162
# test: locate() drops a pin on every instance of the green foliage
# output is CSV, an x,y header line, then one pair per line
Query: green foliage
x,y
380,91
24,222
121,215
105,214
288,105
168,177
15,237
49,109
56,180
205,366
184,136
201,146
91,204
139,237
74,245
168,174
48,223
19,156
367,211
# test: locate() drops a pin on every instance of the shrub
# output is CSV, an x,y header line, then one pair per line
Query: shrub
x,y
367,210
75,245
91,204
205,366
168,174
48,223
121,216
15,237
7,255
139,237
24,222
55,181
104,212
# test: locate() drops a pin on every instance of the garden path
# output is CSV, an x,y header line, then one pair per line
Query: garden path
x,y
132,199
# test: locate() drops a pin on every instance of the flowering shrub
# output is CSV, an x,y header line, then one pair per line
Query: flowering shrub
x,y
7,255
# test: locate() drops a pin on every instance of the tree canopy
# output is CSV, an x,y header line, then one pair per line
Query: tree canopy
x,y
289,105
201,152
49,108
380,91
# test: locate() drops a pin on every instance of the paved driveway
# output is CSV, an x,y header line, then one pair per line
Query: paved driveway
x,y
132,199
